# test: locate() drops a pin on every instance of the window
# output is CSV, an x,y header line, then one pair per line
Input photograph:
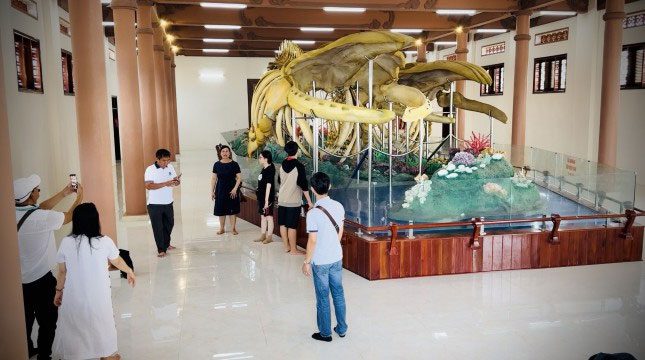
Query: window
x,y
28,7
631,66
28,63
68,78
496,73
550,74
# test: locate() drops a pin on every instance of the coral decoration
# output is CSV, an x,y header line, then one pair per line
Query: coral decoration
x,y
478,143
463,158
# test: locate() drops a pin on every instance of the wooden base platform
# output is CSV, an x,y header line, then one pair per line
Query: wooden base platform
x,y
441,254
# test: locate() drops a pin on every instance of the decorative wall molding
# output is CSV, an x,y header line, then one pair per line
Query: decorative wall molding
x,y
634,19
492,49
553,36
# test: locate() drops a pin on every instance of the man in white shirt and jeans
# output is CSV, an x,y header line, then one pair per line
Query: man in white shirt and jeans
x,y
36,225
325,257
160,178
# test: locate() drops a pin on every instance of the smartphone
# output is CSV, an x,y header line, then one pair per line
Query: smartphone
x,y
73,181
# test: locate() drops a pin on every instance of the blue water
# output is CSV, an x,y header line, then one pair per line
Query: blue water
x,y
355,200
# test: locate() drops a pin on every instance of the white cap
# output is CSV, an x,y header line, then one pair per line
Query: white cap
x,y
23,187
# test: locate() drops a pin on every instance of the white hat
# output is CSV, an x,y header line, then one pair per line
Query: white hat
x,y
23,187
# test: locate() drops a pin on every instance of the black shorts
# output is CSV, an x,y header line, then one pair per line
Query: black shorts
x,y
288,216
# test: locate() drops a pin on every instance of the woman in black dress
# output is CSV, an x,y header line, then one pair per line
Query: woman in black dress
x,y
225,184
266,196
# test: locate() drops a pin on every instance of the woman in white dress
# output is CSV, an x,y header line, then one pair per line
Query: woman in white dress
x,y
85,328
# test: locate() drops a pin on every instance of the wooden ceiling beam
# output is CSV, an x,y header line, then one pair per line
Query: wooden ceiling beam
x,y
391,5
191,15
259,34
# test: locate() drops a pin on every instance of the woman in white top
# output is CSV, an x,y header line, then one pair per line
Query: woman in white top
x,y
85,328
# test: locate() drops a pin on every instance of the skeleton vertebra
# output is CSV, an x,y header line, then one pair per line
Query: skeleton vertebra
x,y
336,69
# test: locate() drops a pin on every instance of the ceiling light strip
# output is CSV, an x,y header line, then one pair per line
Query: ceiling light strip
x,y
456,12
222,27
344,9
222,5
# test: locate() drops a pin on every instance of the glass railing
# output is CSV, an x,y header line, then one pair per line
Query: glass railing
x,y
506,183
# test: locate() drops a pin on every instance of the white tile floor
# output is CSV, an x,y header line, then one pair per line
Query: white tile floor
x,y
225,297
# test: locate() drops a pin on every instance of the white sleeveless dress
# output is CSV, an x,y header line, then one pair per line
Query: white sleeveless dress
x,y
85,327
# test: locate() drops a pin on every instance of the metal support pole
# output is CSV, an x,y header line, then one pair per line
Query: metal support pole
x,y
490,132
420,146
316,123
390,151
452,113
358,139
293,125
407,137
370,144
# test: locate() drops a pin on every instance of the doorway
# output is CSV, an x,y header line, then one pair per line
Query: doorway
x,y
115,128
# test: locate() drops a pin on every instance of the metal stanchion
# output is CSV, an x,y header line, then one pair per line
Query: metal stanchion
x,y
452,114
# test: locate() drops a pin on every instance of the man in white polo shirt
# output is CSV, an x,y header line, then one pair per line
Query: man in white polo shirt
x,y
36,225
160,178
325,257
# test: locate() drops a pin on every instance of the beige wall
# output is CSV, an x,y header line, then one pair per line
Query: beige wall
x,y
42,126
207,107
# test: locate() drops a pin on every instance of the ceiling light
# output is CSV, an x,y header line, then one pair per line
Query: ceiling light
x,y
459,29
456,12
210,40
175,49
108,23
170,38
491,31
163,23
277,51
344,9
418,42
445,43
317,29
556,13
407,31
410,52
222,27
304,42
222,5
221,51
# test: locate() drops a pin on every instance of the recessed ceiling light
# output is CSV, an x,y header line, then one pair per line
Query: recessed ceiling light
x,y
222,5
304,42
491,31
555,13
317,29
108,23
456,12
344,9
222,51
222,27
407,31
445,43
209,40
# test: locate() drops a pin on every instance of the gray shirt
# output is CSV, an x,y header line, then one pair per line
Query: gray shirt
x,y
328,249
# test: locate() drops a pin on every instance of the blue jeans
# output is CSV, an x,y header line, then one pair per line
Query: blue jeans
x,y
329,277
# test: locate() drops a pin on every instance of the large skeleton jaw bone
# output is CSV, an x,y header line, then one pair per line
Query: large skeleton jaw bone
x,y
463,102
431,78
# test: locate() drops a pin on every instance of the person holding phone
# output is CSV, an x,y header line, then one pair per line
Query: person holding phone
x,y
36,225
225,188
266,196
160,178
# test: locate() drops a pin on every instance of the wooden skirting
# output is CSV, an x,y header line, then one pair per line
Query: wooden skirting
x,y
434,255
441,254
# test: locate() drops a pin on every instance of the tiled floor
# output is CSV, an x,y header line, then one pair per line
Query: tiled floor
x,y
225,297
